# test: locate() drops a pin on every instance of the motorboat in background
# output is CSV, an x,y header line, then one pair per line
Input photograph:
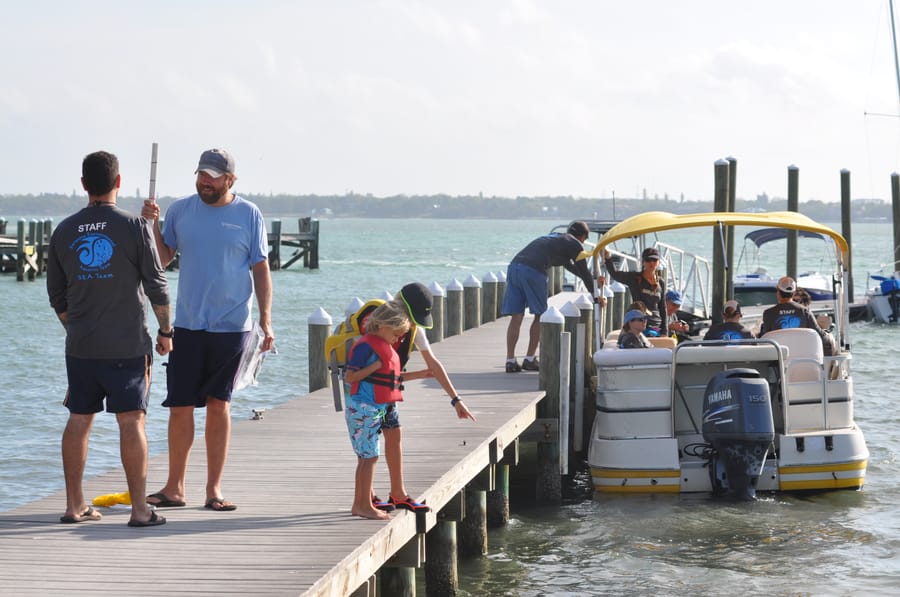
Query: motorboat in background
x,y
883,298
769,414
755,286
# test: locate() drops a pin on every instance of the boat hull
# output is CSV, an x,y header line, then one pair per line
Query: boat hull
x,y
836,460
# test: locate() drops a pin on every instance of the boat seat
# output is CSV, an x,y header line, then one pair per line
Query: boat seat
x,y
619,357
663,342
805,354
804,377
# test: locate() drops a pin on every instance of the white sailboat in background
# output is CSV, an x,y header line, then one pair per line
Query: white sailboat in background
x,y
883,291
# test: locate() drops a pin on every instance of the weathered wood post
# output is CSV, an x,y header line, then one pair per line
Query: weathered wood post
x,y
572,320
313,253
275,251
719,272
549,484
454,314
400,580
472,300
489,297
438,307
729,231
556,280
25,264
846,231
501,292
498,498
441,572
319,326
473,528
47,224
583,406
3,222
793,204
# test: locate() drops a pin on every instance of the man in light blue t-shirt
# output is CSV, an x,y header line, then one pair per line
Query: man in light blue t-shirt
x,y
223,260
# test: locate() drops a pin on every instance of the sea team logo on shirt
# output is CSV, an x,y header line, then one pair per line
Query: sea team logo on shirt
x,y
788,320
94,253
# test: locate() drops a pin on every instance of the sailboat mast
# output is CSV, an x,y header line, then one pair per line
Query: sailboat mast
x,y
894,37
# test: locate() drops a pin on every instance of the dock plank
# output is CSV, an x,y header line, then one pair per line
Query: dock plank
x,y
291,474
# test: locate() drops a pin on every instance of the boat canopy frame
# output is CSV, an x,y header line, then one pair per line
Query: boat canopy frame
x,y
659,221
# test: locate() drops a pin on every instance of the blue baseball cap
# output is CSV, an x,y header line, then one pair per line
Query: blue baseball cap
x,y
675,297
216,162
632,315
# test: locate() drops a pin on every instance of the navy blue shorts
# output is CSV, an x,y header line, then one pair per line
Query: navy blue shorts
x,y
203,364
525,286
123,383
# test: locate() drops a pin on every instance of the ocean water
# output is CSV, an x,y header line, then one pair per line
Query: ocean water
x,y
830,544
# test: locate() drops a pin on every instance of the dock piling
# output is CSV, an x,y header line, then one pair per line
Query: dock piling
x,y
436,333
472,302
454,314
549,484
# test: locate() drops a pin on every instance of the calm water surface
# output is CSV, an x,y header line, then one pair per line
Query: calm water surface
x,y
842,543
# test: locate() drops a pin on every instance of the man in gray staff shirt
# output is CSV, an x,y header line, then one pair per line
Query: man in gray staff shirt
x,y
101,267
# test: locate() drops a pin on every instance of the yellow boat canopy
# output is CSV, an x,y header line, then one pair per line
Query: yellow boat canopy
x,y
657,221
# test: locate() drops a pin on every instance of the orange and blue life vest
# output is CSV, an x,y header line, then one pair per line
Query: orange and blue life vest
x,y
387,381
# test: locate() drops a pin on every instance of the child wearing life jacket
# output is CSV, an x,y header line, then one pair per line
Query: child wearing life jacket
x,y
376,380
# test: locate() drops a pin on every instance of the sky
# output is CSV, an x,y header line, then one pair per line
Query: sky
x,y
582,98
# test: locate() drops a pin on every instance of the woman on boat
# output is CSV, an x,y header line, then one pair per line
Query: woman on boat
x,y
632,334
646,286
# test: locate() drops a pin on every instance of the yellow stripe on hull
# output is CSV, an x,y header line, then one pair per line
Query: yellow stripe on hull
x,y
823,476
607,473
636,481
859,465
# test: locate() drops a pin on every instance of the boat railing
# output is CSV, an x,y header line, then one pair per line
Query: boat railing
x,y
689,274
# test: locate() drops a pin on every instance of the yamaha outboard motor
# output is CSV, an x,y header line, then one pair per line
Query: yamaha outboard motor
x,y
737,422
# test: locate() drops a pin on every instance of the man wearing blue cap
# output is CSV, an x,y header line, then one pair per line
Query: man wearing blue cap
x,y
223,250
673,304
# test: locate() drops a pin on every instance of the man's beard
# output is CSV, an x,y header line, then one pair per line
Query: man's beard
x,y
210,195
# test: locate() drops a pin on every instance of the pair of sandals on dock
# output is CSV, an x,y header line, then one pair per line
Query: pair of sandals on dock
x,y
392,504
216,504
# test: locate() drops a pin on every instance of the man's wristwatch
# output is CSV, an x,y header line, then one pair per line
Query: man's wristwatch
x,y
454,400
169,334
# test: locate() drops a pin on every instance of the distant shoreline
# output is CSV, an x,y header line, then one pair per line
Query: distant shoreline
x,y
466,207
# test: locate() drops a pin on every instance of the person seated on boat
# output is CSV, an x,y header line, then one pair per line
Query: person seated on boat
x,y
789,314
802,297
731,327
677,328
632,334
829,344
647,286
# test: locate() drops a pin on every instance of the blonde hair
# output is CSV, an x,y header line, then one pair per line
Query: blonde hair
x,y
392,315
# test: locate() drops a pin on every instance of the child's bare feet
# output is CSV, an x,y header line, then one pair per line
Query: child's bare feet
x,y
370,513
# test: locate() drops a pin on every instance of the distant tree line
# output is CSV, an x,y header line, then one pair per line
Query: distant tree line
x,y
445,206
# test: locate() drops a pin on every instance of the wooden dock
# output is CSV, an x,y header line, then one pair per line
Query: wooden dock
x,y
291,474
25,252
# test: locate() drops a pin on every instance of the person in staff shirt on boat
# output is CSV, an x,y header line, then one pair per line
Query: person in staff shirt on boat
x,y
731,327
375,374
102,267
789,314
527,286
646,286
632,334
